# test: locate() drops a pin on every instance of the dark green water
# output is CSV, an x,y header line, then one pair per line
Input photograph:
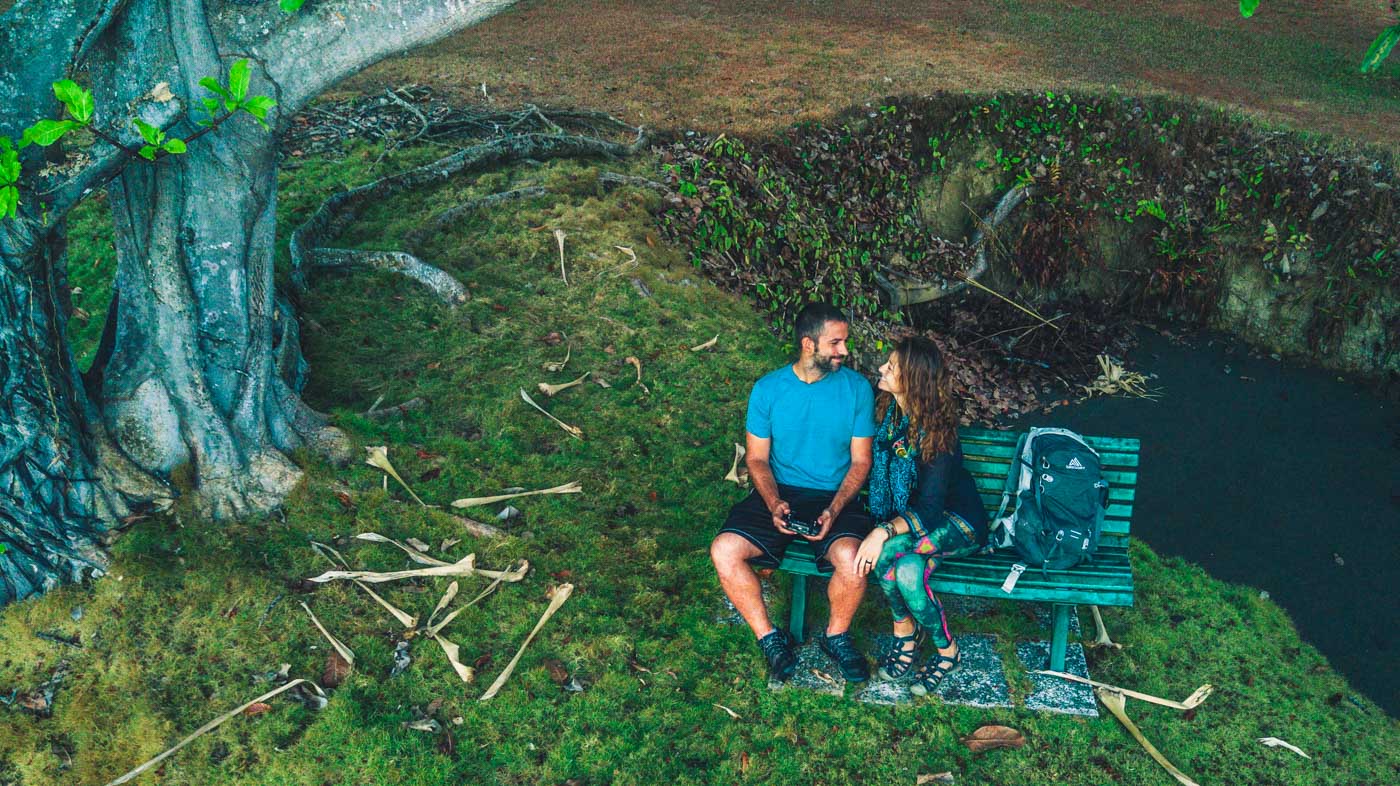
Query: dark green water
x,y
1279,477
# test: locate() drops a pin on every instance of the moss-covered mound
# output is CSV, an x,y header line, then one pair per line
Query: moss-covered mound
x,y
194,617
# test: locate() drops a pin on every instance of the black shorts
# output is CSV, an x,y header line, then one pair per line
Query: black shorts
x,y
751,520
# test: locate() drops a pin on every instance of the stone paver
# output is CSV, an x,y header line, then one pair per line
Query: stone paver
x,y
979,682
1052,694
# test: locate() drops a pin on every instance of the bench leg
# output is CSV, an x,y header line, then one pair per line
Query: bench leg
x,y
1059,636
798,618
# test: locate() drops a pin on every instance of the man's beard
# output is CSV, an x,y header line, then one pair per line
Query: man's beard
x,y
826,363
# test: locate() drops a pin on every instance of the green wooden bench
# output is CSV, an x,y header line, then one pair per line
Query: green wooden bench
x,y
1107,580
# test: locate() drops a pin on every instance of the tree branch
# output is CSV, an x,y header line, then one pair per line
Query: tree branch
x,y
109,161
33,56
329,42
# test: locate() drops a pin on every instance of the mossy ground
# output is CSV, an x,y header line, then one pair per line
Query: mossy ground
x,y
191,612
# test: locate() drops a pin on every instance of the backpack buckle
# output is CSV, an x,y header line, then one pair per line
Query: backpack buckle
x,y
1012,578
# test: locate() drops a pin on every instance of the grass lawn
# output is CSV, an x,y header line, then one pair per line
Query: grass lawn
x,y
193,614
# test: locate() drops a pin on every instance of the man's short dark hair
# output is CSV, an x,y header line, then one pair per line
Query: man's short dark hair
x,y
811,319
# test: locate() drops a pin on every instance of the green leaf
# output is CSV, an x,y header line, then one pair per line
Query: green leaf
x,y
1248,7
175,146
211,105
9,202
79,102
9,161
1380,49
212,85
291,6
238,76
147,152
150,133
257,106
46,132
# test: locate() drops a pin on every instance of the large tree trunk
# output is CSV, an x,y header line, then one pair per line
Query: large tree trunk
x,y
62,485
197,383
191,392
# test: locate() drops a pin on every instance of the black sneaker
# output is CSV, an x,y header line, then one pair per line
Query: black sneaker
x,y
848,659
777,650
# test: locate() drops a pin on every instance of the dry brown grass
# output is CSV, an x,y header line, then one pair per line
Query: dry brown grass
x,y
755,66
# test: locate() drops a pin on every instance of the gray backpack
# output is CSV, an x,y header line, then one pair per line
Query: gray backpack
x,y
1061,498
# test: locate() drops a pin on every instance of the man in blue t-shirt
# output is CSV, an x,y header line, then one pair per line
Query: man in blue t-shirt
x,y
810,426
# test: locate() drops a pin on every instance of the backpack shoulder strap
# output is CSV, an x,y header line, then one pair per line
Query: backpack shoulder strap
x,y
1013,481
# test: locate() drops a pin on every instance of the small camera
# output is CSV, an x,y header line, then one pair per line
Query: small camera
x,y
801,527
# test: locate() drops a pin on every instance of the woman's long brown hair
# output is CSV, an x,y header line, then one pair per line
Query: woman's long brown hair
x,y
928,396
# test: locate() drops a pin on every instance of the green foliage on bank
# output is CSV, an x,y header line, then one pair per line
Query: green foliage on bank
x,y
1191,189
194,613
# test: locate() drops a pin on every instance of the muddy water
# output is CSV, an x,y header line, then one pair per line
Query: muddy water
x,y
1279,477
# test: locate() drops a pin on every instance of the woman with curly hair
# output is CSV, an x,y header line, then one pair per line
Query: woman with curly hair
x,y
926,503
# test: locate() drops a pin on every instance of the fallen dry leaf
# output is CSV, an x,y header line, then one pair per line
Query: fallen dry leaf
x,y
937,777
557,671
991,737
257,708
337,669
1275,742
707,345
446,746
417,544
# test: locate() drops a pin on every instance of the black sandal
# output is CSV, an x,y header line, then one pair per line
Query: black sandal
x,y
931,674
897,661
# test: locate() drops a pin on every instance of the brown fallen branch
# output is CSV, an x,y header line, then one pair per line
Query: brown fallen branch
x,y
559,237
333,556
1101,638
509,574
738,472
568,488
551,390
412,405
479,529
463,567
561,594
379,458
1191,702
638,365
1116,704
210,726
574,431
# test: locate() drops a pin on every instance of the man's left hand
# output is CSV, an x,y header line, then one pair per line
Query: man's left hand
x,y
825,520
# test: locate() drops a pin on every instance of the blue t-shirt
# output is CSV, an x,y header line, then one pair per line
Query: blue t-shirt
x,y
811,425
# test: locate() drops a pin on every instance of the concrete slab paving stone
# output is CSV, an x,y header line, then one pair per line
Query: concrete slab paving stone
x,y
1052,694
815,672
979,682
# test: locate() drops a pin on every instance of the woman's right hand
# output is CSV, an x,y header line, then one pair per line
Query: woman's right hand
x,y
869,551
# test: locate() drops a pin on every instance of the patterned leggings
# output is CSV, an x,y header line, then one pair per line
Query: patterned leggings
x,y
905,565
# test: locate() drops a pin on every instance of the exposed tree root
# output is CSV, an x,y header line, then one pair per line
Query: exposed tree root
x,y
448,289
412,405
340,210
437,223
